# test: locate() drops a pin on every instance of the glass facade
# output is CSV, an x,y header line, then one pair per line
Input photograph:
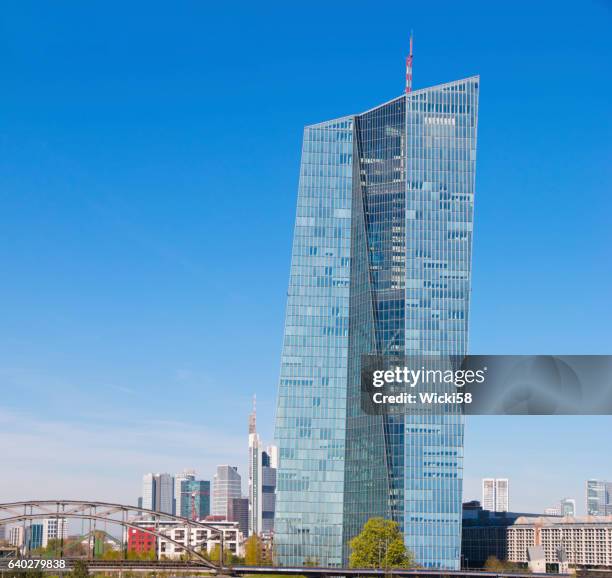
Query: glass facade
x,y
195,499
599,498
311,409
381,265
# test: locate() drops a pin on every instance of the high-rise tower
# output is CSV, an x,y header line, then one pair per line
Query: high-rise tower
x,y
227,484
381,263
184,476
262,481
495,494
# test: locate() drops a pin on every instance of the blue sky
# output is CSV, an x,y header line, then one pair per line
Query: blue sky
x,y
149,158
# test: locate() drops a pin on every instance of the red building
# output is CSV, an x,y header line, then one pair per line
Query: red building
x,y
140,541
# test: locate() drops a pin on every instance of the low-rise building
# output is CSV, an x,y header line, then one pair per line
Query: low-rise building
x,y
17,536
484,534
196,538
54,529
584,541
141,542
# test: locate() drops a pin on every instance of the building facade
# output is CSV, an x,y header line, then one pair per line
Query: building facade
x,y
201,538
484,534
194,538
158,492
238,511
148,492
54,529
568,507
262,481
17,536
35,536
381,263
141,542
262,486
495,496
585,541
195,499
184,476
164,493
599,498
227,484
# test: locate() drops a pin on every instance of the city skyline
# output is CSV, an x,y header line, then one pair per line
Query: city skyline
x,y
124,201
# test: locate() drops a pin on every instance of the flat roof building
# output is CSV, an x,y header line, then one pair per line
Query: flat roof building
x,y
585,540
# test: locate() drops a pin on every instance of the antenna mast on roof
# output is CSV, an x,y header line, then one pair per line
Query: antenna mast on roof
x,y
409,68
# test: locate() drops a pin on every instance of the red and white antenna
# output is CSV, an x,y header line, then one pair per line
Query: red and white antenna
x,y
409,68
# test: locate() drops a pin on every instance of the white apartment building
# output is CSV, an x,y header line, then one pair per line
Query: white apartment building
x,y
16,536
586,540
495,494
195,538
54,529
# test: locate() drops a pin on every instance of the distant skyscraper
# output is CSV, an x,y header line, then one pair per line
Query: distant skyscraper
x,y
262,481
488,494
238,511
568,507
158,492
164,493
381,263
195,499
226,485
599,498
185,475
495,494
501,495
148,492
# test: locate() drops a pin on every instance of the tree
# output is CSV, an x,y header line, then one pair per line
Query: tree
x,y
215,554
256,553
252,551
494,564
380,545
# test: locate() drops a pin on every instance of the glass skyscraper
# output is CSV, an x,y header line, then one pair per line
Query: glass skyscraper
x,y
194,499
381,264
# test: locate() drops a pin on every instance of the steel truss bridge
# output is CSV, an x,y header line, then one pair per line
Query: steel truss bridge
x,y
25,513
193,568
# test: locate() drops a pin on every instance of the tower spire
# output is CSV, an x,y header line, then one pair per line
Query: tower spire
x,y
409,68
253,417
